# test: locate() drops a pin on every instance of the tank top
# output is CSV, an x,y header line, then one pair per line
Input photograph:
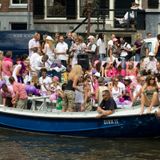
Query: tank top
x,y
69,85
116,93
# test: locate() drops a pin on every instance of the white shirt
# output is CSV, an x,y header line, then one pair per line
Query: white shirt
x,y
150,65
116,93
35,62
16,68
60,48
48,51
79,96
121,86
31,44
128,47
102,46
45,82
136,90
91,47
110,43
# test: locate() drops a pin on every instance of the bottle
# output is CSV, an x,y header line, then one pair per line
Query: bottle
x,y
62,77
59,103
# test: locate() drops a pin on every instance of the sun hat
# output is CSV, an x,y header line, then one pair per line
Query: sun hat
x,y
49,38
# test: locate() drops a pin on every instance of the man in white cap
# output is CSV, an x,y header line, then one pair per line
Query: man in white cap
x,y
150,63
91,48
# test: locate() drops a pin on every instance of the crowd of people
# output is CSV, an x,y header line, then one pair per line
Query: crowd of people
x,y
119,73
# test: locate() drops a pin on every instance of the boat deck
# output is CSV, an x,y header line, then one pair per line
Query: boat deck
x,y
59,114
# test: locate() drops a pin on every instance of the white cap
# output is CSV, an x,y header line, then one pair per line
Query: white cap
x,y
90,37
49,38
97,74
127,78
151,54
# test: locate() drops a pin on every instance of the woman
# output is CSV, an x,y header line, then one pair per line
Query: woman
x,y
131,70
76,48
48,48
115,90
111,71
127,93
138,44
71,86
149,94
19,69
101,47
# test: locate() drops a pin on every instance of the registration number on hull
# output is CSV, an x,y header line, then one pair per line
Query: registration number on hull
x,y
111,121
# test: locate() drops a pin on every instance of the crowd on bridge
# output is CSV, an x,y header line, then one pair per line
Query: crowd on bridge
x,y
81,73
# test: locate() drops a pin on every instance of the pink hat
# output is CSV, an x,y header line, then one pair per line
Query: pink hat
x,y
55,78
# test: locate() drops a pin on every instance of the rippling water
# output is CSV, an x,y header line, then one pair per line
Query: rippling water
x,y
28,146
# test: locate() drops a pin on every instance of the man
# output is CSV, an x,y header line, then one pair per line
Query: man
x,y
34,42
45,81
20,98
150,63
69,40
129,16
38,62
61,51
91,48
107,106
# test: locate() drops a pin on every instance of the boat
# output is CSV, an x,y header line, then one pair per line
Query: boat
x,y
126,122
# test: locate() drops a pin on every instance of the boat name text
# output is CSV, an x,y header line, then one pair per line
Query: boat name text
x,y
110,121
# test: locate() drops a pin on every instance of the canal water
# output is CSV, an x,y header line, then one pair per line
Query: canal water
x,y
30,146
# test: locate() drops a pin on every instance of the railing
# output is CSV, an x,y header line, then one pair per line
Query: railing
x,y
114,17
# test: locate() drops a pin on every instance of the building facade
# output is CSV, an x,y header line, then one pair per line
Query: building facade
x,y
65,15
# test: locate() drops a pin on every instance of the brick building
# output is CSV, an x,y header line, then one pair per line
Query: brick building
x,y
65,15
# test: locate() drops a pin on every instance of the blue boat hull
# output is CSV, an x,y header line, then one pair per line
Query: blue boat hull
x,y
147,125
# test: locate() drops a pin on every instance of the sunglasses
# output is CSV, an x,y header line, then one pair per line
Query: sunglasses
x,y
152,79
103,95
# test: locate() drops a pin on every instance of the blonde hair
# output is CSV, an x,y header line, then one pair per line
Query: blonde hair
x,y
76,71
50,43
138,36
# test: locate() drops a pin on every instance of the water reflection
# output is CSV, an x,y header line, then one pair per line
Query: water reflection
x,y
29,146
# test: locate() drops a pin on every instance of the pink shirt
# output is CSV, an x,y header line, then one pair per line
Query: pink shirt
x,y
111,73
6,65
131,73
122,72
20,90
10,92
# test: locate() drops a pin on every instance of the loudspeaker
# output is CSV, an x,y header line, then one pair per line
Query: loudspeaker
x,y
83,60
